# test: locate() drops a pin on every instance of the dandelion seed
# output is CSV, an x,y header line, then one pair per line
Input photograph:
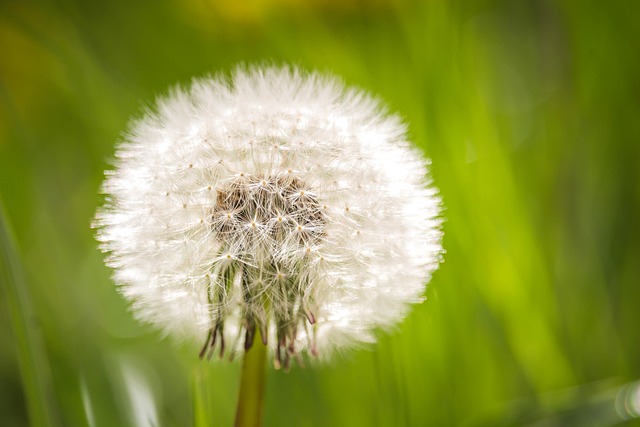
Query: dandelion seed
x,y
322,227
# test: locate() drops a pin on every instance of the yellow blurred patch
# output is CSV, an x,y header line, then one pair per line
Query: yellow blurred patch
x,y
27,65
257,12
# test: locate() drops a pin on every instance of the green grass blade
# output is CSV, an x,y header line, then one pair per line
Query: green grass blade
x,y
34,367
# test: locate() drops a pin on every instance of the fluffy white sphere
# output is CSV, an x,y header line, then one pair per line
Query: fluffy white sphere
x,y
275,201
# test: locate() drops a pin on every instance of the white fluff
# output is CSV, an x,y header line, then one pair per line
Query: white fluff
x,y
270,200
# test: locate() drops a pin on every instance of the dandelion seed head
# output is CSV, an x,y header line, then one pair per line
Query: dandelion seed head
x,y
277,201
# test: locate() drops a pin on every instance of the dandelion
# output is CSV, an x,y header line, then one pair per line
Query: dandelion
x,y
274,206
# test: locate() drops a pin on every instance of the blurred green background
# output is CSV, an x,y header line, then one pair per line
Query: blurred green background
x,y
530,111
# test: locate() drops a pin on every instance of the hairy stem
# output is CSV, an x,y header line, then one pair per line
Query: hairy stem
x,y
251,396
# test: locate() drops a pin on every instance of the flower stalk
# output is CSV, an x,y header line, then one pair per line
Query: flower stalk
x,y
251,395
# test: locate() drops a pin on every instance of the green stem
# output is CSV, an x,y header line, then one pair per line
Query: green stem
x,y
251,396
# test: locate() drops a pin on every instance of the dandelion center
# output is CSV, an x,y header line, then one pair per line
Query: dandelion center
x,y
271,223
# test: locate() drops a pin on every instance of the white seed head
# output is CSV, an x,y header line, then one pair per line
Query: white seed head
x,y
275,200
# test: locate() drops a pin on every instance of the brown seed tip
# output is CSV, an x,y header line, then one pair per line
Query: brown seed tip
x,y
310,317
